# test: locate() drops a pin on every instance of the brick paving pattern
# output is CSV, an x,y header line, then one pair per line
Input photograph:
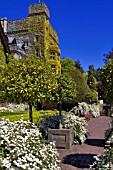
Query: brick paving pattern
x,y
79,157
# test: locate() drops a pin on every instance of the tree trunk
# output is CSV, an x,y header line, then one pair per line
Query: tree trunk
x,y
60,115
30,113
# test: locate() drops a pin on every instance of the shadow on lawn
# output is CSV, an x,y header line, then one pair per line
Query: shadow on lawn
x,y
79,160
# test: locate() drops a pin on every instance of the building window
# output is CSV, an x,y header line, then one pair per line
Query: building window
x,y
52,57
53,66
26,43
37,53
52,53
37,37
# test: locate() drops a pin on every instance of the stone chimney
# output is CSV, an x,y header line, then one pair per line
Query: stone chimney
x,y
1,20
4,23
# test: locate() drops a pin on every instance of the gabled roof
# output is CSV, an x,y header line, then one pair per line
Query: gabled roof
x,y
4,40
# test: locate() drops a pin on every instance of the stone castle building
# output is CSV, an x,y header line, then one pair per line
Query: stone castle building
x,y
34,35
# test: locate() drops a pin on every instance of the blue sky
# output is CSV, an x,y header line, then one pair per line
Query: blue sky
x,y
85,27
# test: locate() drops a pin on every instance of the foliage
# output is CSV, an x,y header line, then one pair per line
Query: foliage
x,y
21,148
66,89
48,121
68,121
109,55
107,81
32,80
91,81
78,66
92,97
81,86
87,116
83,108
68,65
98,76
104,161
78,124
2,56
44,36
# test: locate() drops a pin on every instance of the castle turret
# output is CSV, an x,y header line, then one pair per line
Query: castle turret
x,y
39,9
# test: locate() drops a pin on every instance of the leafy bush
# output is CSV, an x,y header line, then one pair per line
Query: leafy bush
x,y
78,124
21,148
104,161
48,121
68,121
92,97
83,108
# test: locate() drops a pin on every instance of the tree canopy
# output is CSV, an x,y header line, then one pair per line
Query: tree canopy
x,y
27,80
107,81
69,67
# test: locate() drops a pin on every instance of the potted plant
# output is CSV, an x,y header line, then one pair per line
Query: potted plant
x,y
65,92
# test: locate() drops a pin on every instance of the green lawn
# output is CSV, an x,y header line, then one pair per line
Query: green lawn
x,y
16,115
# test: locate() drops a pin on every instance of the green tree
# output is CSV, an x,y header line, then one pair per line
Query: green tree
x,y
98,76
78,66
107,81
27,80
91,97
81,86
66,90
69,67
91,81
109,55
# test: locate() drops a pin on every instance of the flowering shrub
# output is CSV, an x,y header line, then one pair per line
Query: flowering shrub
x,y
68,121
21,148
94,110
83,108
12,107
104,161
87,116
78,124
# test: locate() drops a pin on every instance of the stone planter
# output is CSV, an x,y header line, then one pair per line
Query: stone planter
x,y
64,138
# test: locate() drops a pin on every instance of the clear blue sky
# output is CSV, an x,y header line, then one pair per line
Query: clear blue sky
x,y
85,27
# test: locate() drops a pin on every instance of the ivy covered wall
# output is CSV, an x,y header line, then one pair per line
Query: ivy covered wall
x,y
2,56
36,36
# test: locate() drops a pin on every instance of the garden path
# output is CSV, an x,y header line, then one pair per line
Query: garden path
x,y
79,157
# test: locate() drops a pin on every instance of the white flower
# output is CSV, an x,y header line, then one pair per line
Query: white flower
x,y
23,142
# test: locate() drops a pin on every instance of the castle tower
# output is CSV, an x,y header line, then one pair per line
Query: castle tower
x,y
36,35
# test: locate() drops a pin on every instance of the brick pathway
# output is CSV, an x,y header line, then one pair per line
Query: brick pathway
x,y
79,157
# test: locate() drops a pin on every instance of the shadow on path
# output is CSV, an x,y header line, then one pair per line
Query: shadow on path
x,y
79,160
95,142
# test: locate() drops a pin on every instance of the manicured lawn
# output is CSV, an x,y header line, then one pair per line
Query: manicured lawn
x,y
16,115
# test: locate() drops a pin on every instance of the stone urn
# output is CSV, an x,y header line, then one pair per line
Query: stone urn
x,y
64,138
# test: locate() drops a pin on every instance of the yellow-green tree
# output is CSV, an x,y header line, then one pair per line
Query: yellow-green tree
x,y
27,80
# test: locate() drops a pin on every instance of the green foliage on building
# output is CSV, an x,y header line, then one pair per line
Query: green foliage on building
x,y
2,56
37,32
